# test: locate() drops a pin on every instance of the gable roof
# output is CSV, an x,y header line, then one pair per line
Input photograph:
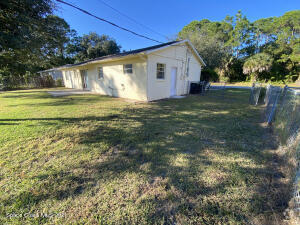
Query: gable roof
x,y
188,42
136,51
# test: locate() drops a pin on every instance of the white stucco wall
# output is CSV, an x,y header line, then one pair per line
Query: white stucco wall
x,y
115,82
175,56
74,80
195,69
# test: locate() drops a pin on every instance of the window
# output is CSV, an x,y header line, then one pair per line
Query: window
x,y
127,68
100,73
160,71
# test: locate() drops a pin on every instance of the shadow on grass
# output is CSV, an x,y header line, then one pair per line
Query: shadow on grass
x,y
64,186
59,101
66,119
9,123
197,129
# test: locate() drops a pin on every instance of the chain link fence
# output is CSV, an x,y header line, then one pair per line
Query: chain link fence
x,y
271,101
34,81
287,122
296,189
255,93
218,89
283,112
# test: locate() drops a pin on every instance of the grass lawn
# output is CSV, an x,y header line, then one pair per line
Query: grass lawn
x,y
249,84
90,159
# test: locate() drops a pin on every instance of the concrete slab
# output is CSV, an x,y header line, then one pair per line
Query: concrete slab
x,y
177,96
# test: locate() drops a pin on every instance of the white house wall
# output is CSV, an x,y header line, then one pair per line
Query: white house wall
x,y
195,69
175,56
72,78
115,82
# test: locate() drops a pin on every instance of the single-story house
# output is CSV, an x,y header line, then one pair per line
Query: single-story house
x,y
146,74
55,73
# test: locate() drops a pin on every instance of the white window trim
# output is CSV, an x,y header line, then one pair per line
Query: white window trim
x,y
125,71
98,70
165,68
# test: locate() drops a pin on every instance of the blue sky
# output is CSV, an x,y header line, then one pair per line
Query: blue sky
x,y
164,16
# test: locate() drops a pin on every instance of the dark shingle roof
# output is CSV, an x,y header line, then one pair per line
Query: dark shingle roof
x,y
123,53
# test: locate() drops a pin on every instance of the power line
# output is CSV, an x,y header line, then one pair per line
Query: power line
x,y
135,21
104,20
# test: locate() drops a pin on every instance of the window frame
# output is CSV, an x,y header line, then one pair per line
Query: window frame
x,y
100,68
126,70
160,71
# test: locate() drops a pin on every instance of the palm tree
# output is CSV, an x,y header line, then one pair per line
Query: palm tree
x,y
256,64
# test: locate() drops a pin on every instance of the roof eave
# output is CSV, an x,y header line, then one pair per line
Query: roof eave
x,y
104,60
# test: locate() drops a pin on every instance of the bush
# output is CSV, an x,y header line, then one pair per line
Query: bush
x,y
7,80
234,70
47,81
209,75
224,79
59,82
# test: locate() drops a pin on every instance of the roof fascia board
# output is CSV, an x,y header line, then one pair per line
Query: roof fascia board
x,y
140,55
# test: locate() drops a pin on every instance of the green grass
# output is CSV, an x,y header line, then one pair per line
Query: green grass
x,y
274,83
90,159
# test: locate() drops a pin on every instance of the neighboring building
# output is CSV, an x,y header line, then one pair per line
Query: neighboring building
x,y
55,73
146,74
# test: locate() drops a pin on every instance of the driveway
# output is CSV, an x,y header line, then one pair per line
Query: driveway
x,y
68,92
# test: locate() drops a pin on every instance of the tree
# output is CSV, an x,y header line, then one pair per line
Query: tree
x,y
211,49
20,21
20,25
264,31
56,36
241,39
221,43
47,51
288,27
92,46
31,38
219,30
257,64
278,37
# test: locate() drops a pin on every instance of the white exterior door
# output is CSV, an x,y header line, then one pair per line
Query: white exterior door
x,y
173,81
85,80
71,75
